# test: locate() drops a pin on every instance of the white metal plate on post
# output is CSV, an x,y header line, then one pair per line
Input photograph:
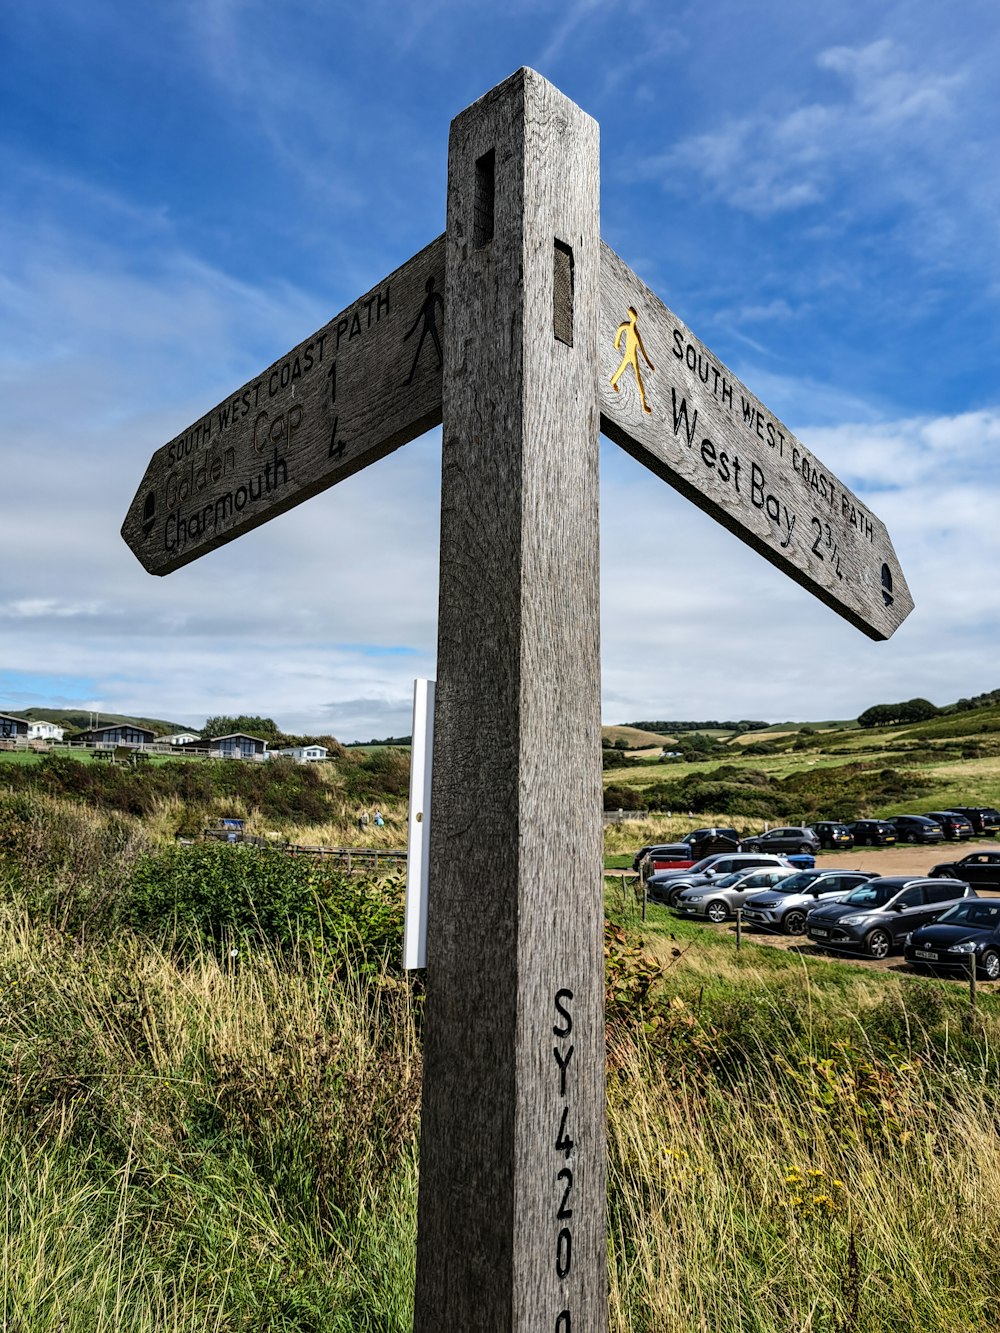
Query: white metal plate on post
x,y
418,845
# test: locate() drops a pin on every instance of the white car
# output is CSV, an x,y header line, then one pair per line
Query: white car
x,y
786,906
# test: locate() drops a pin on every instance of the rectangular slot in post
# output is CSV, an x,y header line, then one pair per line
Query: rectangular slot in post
x,y
562,293
482,232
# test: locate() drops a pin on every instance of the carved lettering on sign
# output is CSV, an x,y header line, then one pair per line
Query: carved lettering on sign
x,y
564,1145
342,399
696,426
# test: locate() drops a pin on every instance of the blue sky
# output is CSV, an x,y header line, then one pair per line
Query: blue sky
x,y
189,189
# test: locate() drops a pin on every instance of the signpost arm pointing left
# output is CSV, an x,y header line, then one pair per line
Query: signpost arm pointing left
x,y
352,393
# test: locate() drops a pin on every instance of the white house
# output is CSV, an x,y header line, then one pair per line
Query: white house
x,y
44,731
302,754
179,738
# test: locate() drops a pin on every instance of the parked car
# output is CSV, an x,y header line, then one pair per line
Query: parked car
x,y
873,833
692,847
968,932
720,897
953,825
794,839
705,841
667,852
981,869
876,917
835,836
667,885
786,905
985,819
916,828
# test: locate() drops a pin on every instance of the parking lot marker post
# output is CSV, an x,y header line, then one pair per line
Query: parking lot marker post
x,y
511,1222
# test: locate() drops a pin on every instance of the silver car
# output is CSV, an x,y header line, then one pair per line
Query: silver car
x,y
720,898
786,906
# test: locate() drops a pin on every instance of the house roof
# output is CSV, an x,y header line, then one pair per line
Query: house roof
x,y
9,717
118,726
237,736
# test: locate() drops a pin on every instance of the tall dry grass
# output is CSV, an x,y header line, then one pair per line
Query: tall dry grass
x,y
219,1144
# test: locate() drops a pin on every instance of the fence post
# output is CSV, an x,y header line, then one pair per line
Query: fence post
x,y
643,883
972,979
739,928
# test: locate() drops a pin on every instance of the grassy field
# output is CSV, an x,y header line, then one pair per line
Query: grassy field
x,y
797,775
193,1138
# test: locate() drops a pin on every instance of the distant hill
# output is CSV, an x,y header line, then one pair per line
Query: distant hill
x,y
636,738
80,721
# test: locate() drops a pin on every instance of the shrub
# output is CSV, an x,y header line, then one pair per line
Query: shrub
x,y
217,891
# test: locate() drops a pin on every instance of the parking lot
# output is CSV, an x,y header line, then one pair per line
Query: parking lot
x,y
885,861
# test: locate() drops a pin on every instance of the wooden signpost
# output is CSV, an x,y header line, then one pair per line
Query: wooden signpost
x,y
525,336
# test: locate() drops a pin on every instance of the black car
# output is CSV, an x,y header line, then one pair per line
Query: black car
x,y
698,843
968,931
838,837
979,868
916,828
985,819
877,917
953,825
873,833
705,841
795,839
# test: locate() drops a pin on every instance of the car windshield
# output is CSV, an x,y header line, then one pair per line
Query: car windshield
x,y
797,883
973,913
705,863
727,881
870,895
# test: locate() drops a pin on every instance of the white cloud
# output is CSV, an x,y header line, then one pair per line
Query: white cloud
x,y
768,163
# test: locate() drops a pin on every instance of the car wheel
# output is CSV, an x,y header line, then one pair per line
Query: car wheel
x,y
989,965
805,848
794,922
878,944
717,912
911,837
675,894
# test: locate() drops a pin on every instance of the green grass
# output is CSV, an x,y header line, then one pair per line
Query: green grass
x,y
190,1141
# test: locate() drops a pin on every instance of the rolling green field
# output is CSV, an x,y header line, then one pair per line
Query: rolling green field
x,y
795,776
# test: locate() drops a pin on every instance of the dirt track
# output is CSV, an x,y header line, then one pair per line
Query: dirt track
x,y
905,860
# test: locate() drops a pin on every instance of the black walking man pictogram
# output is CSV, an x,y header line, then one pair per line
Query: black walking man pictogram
x,y
427,313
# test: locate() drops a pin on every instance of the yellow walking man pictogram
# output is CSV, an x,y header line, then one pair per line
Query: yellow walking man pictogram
x,y
630,355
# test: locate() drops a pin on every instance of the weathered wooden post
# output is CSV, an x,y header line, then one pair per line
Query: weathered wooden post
x,y
511,1210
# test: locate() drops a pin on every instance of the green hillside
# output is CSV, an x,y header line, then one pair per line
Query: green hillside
x,y
805,771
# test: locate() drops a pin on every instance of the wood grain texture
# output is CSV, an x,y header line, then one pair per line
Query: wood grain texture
x,y
707,435
511,1208
366,383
